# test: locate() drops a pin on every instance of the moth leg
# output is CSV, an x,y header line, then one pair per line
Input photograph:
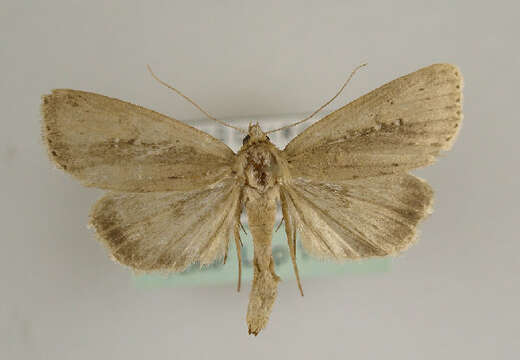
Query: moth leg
x,y
238,243
242,226
291,239
225,254
292,249
239,256
278,227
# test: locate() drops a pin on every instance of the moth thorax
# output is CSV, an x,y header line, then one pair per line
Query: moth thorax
x,y
260,168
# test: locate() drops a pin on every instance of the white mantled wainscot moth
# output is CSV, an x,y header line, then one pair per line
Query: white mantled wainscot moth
x,y
175,194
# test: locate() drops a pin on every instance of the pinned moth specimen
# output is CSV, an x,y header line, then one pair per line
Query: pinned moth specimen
x,y
175,194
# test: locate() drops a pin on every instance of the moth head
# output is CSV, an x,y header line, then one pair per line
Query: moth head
x,y
255,135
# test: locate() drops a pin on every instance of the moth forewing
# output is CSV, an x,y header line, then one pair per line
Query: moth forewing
x,y
114,145
400,126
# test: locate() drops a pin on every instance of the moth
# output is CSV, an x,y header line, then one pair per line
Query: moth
x,y
175,194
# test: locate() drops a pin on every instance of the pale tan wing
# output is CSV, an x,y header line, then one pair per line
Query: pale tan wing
x,y
167,230
356,218
399,126
111,144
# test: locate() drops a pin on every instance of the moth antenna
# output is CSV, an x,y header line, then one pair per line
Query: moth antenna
x,y
324,105
193,102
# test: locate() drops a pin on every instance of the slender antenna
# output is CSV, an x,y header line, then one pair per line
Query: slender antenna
x,y
324,105
193,102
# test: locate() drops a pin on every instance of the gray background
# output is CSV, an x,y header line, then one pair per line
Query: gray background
x,y
453,295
